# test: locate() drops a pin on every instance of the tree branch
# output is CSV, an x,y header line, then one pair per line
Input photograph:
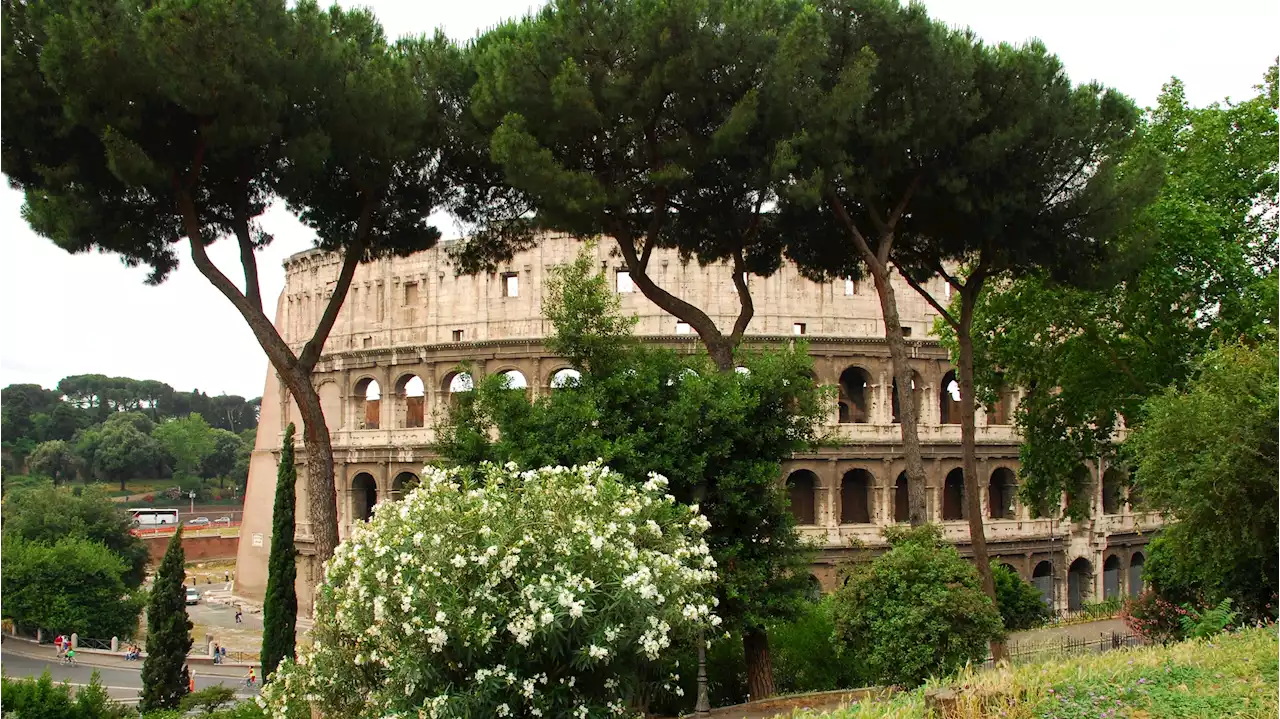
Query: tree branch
x,y
859,241
748,308
248,259
350,260
946,314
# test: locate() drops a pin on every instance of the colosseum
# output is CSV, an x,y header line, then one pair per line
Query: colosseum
x,y
393,359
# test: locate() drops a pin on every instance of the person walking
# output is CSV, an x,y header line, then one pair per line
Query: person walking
x,y
239,614
57,645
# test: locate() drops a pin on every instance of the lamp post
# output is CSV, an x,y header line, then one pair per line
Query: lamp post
x,y
703,705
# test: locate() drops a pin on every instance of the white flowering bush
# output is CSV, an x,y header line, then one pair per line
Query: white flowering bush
x,y
546,593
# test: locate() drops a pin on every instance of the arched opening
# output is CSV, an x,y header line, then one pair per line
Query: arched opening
x,y
949,399
1001,410
1012,569
901,499
855,386
1136,582
917,390
514,379
368,401
953,495
855,489
1000,494
800,491
567,377
1111,577
1079,584
457,383
814,589
404,483
364,495
411,408
1112,486
1042,578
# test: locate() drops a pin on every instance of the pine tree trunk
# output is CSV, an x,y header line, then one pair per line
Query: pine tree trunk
x,y
323,494
755,645
908,420
968,446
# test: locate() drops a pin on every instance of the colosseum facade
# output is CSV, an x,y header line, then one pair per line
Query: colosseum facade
x,y
394,357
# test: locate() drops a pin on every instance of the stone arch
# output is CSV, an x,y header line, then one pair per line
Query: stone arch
x,y
1002,489
368,403
855,495
565,377
953,496
1112,491
902,498
813,590
917,393
855,391
801,490
949,399
404,483
1136,581
515,379
1042,578
364,496
1111,570
411,401
1011,568
456,383
1079,584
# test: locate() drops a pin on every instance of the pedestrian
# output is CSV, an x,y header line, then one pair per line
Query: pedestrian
x,y
239,615
57,645
217,653
226,576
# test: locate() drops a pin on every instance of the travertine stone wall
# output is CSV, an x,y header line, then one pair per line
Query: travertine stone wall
x,y
414,317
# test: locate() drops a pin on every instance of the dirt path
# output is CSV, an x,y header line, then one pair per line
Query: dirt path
x,y
1089,630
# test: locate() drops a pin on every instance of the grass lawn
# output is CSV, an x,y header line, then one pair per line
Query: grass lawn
x,y
1233,675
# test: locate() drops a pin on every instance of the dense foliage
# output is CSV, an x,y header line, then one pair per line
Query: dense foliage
x,y
1021,604
74,585
498,592
164,673
46,515
1207,455
642,408
280,607
42,699
914,612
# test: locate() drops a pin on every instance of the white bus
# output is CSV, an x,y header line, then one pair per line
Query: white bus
x,y
154,517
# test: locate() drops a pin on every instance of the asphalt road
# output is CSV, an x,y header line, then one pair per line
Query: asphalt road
x,y
121,684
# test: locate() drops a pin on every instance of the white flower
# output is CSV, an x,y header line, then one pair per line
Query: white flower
x,y
458,561
503,710
597,652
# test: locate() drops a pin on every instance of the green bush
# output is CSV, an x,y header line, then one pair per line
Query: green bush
x,y
75,585
914,612
1155,619
42,699
1021,604
1202,624
209,699
804,654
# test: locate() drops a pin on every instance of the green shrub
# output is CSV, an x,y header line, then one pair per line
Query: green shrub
x,y
41,698
1153,618
914,612
73,586
1208,622
804,654
1021,604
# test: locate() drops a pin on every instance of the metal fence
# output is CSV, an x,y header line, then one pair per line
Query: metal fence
x,y
89,643
1023,652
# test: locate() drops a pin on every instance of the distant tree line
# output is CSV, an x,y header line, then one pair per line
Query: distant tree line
x,y
113,429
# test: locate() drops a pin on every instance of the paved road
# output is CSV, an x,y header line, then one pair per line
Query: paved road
x,y
121,684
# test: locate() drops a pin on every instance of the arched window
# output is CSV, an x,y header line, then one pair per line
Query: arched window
x,y
800,491
1042,578
917,391
457,383
901,499
953,495
949,399
855,386
364,495
567,377
1112,486
368,401
515,379
855,490
404,483
411,406
1111,577
1079,584
1000,494
1136,582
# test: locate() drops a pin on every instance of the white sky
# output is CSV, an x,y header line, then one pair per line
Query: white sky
x,y
78,314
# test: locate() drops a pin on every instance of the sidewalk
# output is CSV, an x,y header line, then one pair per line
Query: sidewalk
x,y
28,648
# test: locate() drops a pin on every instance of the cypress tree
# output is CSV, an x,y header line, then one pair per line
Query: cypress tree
x,y
168,633
280,612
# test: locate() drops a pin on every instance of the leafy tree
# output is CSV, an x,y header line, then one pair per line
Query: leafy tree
x,y
649,409
188,440
47,514
1021,604
914,612
119,450
73,585
280,610
168,633
132,128
221,462
209,699
53,459
1201,264
1207,456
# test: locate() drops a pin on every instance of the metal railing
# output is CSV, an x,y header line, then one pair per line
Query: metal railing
x,y
1023,652
90,643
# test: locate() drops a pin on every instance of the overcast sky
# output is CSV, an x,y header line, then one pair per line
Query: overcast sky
x,y
78,314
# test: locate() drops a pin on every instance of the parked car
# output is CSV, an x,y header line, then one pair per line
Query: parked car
x,y
199,522
193,595
222,520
